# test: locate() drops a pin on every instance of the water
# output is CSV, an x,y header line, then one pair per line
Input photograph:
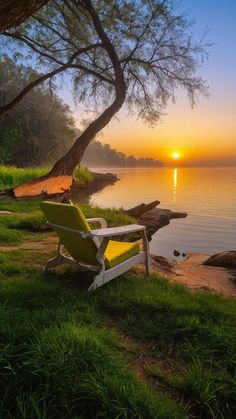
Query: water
x,y
208,195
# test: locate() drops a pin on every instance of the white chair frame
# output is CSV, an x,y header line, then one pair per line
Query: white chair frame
x,y
101,239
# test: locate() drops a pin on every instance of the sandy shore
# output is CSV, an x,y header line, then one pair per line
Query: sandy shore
x,y
196,276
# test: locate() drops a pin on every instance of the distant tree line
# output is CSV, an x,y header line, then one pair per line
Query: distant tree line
x,y
98,155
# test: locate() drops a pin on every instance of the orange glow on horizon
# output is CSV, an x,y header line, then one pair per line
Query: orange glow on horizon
x,y
202,136
205,135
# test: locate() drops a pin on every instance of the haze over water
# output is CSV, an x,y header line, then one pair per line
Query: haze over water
x,y
208,195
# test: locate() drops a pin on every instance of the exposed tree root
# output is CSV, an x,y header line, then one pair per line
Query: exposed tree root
x,y
49,186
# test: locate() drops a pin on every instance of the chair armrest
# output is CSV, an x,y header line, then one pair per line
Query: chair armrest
x,y
102,222
116,231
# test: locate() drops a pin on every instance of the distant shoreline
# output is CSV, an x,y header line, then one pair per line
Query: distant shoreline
x,y
158,167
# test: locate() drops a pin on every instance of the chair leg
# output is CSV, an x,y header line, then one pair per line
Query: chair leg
x,y
52,263
97,282
56,261
102,278
148,265
147,253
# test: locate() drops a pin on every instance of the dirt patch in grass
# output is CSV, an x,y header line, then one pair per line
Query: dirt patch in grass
x,y
46,244
138,353
139,361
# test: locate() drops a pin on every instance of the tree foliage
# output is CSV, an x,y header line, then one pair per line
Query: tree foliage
x,y
40,129
137,52
13,12
143,43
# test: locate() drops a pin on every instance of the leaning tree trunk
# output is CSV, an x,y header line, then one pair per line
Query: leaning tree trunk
x,y
60,178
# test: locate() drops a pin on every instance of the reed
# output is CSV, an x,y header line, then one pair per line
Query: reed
x,y
11,176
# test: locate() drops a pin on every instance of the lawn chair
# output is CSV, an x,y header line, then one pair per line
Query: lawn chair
x,y
93,248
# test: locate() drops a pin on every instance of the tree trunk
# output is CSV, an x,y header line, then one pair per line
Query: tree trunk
x,y
60,178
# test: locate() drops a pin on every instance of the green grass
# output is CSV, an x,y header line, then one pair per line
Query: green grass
x,y
11,176
195,333
21,206
82,175
8,235
31,219
26,218
60,359
36,221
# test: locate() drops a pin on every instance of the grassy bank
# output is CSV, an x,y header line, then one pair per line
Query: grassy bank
x,y
132,349
11,176
27,218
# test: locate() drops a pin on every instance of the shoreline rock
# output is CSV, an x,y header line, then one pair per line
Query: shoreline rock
x,y
196,275
226,259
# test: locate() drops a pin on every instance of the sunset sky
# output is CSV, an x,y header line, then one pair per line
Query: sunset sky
x,y
205,135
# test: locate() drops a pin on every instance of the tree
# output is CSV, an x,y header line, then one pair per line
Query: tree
x,y
98,154
40,129
138,52
13,13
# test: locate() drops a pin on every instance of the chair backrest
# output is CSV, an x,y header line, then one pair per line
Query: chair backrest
x,y
71,216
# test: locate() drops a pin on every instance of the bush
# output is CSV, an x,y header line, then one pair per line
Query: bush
x,y
82,175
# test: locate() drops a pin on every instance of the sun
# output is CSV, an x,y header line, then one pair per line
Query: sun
x,y
176,155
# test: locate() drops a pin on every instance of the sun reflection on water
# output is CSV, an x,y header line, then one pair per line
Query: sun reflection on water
x,y
208,195
175,181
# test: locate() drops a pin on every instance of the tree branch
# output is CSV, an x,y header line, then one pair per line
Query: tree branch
x,y
119,75
4,109
93,73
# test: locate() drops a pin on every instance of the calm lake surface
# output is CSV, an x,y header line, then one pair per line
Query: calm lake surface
x,y
208,195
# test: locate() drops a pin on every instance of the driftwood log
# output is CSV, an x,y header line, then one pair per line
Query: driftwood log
x,y
141,209
153,218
